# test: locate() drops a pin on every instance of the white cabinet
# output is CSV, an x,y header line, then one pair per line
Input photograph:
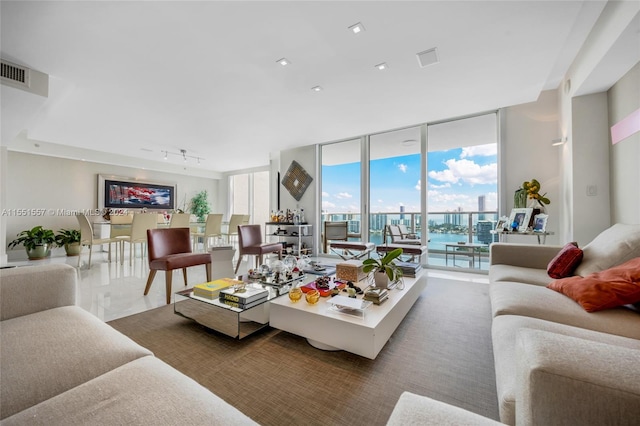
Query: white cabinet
x,y
297,239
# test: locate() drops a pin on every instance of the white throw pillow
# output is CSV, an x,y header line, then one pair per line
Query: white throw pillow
x,y
612,247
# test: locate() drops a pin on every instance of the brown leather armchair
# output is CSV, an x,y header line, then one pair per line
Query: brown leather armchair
x,y
250,242
169,249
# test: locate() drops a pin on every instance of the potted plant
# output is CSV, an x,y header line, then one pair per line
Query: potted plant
x,y
385,269
37,242
70,240
200,206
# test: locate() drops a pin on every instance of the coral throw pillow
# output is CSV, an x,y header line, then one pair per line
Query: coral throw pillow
x,y
565,262
612,287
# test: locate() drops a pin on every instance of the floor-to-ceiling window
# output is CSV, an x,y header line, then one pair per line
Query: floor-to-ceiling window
x,y
462,190
394,182
341,184
452,201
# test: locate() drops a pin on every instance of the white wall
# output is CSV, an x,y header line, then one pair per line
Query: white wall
x,y
623,99
42,182
590,167
526,132
306,157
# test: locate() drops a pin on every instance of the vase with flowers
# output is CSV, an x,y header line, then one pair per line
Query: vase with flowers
x,y
536,200
528,195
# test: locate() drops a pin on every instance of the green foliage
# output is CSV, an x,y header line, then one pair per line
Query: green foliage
x,y
31,238
67,236
200,206
520,198
386,264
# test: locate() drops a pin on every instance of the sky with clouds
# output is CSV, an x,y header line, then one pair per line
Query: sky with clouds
x,y
455,179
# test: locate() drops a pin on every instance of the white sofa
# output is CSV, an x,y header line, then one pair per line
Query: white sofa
x,y
60,365
555,363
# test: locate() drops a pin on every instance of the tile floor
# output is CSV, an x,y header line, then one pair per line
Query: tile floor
x,y
111,290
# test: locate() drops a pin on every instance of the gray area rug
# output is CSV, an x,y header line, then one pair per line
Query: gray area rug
x,y
442,349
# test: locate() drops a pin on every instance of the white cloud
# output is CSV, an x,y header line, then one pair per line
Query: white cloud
x,y
325,194
326,205
402,167
479,150
418,186
344,195
441,201
467,171
446,185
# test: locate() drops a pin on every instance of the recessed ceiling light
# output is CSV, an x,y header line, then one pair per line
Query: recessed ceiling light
x,y
316,88
357,28
409,142
283,61
382,66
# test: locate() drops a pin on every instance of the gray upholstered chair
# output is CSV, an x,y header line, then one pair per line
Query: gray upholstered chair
x,y
169,249
335,231
250,242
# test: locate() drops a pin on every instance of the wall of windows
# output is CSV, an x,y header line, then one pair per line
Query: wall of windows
x,y
446,173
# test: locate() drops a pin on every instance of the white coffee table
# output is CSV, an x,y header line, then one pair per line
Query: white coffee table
x,y
330,330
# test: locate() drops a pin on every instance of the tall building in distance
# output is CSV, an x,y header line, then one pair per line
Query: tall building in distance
x,y
401,212
482,199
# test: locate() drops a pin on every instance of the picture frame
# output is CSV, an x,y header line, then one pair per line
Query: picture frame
x,y
540,222
126,193
502,224
521,217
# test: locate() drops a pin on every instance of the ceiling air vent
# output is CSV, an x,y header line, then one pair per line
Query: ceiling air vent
x,y
14,73
428,57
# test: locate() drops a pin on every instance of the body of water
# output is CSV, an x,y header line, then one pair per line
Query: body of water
x,y
437,240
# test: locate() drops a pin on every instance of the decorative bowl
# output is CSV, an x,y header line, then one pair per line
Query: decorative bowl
x,y
312,296
295,294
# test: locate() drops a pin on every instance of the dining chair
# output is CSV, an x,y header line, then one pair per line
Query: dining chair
x,y
250,243
235,221
119,229
170,249
180,220
212,229
141,223
87,238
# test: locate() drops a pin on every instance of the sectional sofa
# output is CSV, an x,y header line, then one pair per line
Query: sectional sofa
x,y
60,365
555,362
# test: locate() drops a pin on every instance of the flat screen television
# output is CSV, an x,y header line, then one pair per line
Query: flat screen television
x,y
120,194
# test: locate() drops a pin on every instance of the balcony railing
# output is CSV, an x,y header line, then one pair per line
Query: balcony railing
x,y
443,228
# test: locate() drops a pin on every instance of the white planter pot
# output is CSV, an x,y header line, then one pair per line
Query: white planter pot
x,y
381,279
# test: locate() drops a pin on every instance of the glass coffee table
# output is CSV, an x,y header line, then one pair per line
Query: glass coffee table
x,y
231,321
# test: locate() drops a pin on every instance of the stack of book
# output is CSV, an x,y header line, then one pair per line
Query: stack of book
x,y
376,295
211,289
244,299
409,269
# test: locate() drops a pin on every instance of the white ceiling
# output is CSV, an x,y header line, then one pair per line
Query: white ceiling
x,y
140,78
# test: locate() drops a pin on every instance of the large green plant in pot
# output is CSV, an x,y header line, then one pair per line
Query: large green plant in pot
x,y
385,269
200,206
36,241
70,240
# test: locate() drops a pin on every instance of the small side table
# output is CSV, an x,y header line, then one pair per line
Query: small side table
x,y
470,251
502,234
